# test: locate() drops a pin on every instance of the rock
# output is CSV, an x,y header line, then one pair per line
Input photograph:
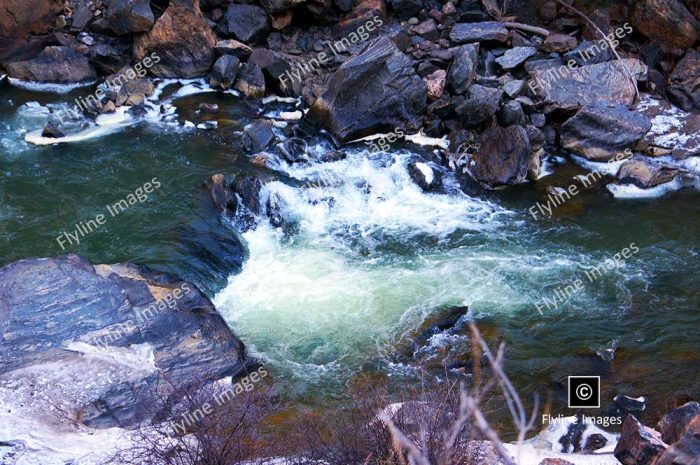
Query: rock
x,y
404,9
559,43
52,131
538,119
233,47
424,175
134,92
280,6
645,174
248,189
427,29
68,313
109,58
687,450
224,72
247,23
272,64
181,39
600,132
547,11
638,445
208,108
674,423
568,89
514,88
479,106
626,403
54,64
258,136
251,81
479,32
684,82
667,21
222,195
503,158
375,90
129,16
295,150
589,53
511,114
282,20
514,57
594,442
463,68
24,27
363,12
436,84
81,16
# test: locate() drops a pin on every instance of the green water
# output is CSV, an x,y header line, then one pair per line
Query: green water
x,y
333,300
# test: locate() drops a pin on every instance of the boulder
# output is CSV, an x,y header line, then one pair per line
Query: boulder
x,y
248,189
247,23
479,32
638,444
480,105
504,156
667,21
258,136
515,57
567,89
374,91
599,132
224,72
625,403
251,81
362,14
424,175
687,450
24,27
233,47
182,39
684,82
462,71
222,195
272,64
280,6
129,16
54,64
675,423
110,57
511,114
81,16
134,92
115,331
645,174
589,53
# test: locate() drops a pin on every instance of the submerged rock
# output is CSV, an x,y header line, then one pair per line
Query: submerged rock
x,y
222,195
182,41
114,331
54,64
374,91
424,175
600,132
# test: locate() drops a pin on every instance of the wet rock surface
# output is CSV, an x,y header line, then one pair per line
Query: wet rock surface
x,y
54,64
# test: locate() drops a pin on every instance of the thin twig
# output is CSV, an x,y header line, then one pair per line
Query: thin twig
x,y
527,28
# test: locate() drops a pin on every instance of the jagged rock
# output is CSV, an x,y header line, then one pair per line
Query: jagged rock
x,y
91,321
182,39
687,450
589,53
511,114
567,89
513,88
463,68
251,81
645,174
600,132
129,16
375,90
109,58
424,175
514,57
362,14
436,84
222,195
674,423
479,32
272,64
684,82
233,47
247,23
559,43
638,444
81,16
258,136
668,21
224,72
134,92
54,64
427,29
479,106
504,156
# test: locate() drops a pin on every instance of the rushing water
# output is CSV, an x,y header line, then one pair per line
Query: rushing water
x,y
369,257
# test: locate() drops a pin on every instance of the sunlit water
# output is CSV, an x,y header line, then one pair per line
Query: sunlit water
x,y
370,256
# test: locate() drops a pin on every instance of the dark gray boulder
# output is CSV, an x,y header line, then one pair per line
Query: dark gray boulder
x,y
426,176
272,64
479,32
224,72
251,81
687,450
645,174
600,132
129,16
258,136
684,88
247,23
463,68
504,156
376,90
480,105
674,423
222,195
589,53
117,328
54,64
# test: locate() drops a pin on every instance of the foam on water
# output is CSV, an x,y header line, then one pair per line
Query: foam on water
x,y
49,87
